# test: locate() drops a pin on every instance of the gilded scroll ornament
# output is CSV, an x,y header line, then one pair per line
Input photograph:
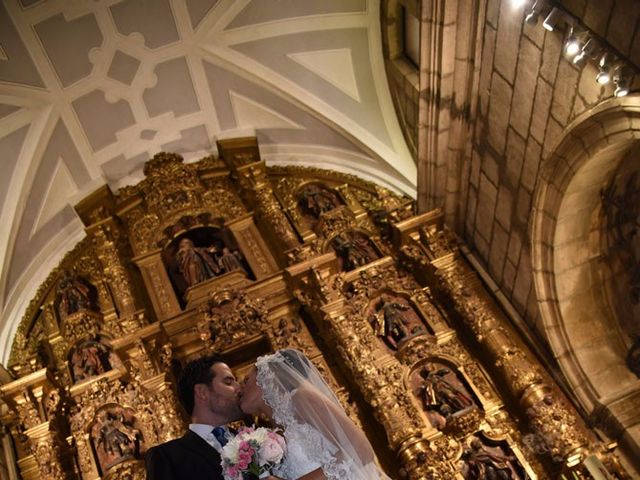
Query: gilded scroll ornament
x,y
229,317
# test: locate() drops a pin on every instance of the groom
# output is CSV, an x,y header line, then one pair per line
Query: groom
x,y
209,392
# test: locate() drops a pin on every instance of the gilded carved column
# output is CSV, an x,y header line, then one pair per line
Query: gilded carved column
x,y
243,158
40,408
106,240
434,257
377,374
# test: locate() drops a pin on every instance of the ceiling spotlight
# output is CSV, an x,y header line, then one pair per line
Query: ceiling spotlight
x,y
603,77
587,50
534,14
572,47
518,3
621,82
552,19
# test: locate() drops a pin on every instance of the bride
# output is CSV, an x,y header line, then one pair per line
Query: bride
x,y
322,442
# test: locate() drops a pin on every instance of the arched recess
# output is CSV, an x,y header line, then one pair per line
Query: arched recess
x,y
570,266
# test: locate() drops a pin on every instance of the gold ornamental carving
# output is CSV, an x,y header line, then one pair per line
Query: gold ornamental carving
x,y
229,317
377,297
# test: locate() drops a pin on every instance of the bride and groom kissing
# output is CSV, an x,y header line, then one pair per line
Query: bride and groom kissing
x,y
321,441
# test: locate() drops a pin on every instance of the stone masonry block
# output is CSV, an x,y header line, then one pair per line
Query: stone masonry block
x,y
493,9
622,26
504,206
551,137
532,160
526,76
484,84
482,247
551,54
486,207
541,106
588,88
490,168
499,107
515,246
523,207
597,14
514,156
508,278
534,33
498,252
564,92
510,27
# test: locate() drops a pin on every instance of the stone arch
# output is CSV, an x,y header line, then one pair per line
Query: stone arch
x,y
567,225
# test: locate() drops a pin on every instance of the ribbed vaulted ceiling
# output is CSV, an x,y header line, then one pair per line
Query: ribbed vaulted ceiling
x,y
89,90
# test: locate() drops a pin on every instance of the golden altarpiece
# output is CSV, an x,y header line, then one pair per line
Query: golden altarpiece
x,y
231,256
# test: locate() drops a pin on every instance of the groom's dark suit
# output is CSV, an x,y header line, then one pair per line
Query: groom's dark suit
x,y
185,458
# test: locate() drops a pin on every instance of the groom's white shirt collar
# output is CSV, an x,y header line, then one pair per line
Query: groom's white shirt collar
x,y
206,433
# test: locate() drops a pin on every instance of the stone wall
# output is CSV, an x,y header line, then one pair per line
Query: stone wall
x,y
528,94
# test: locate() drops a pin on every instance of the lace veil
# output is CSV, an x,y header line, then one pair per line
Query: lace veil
x,y
302,401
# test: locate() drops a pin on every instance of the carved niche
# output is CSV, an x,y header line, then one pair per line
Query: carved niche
x,y
115,436
394,319
354,249
200,255
74,294
314,199
90,358
444,393
484,458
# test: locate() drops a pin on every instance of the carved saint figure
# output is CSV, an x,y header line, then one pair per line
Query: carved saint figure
x,y
73,294
230,261
441,395
316,200
354,249
89,359
116,438
196,264
489,463
391,321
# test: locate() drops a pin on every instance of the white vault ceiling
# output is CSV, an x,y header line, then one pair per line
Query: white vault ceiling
x,y
89,90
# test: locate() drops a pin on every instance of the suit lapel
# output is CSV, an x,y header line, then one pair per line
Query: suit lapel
x,y
197,445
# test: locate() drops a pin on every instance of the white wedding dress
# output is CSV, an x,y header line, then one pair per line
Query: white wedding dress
x,y
317,431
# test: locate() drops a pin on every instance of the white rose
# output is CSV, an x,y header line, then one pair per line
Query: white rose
x,y
270,452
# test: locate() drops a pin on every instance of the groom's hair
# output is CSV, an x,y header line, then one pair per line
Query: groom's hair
x,y
195,372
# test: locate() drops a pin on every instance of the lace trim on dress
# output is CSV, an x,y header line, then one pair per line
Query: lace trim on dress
x,y
309,440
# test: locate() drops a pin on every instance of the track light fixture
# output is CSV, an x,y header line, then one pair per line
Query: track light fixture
x,y
604,76
552,19
573,45
621,81
533,16
582,45
585,52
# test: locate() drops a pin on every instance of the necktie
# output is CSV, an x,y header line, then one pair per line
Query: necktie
x,y
221,435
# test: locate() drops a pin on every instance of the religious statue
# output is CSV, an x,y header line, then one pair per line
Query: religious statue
x,y
316,199
391,321
89,359
116,438
196,264
442,396
73,294
230,261
489,463
354,249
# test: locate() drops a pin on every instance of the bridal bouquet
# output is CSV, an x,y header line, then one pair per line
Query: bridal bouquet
x,y
252,453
